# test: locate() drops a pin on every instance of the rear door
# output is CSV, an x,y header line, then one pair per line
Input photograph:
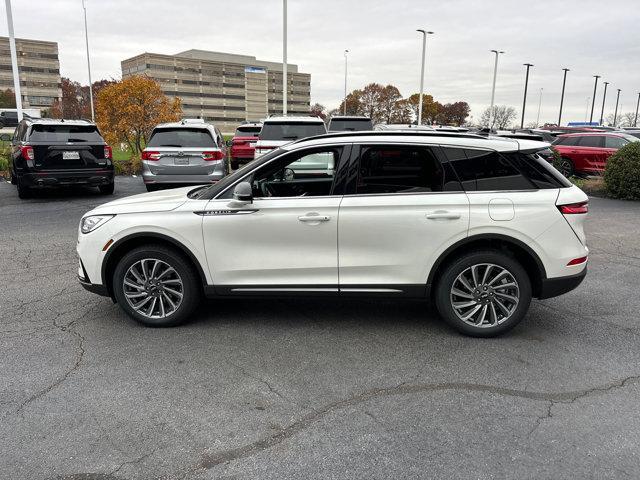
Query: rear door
x,y
183,151
404,206
612,143
62,147
592,152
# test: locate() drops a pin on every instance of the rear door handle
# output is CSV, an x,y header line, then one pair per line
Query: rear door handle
x,y
314,218
443,216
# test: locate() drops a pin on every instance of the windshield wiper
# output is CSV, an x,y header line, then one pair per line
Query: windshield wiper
x,y
75,140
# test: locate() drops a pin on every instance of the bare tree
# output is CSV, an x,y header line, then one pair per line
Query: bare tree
x,y
500,117
624,119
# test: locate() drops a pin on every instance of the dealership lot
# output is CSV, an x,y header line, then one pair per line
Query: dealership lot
x,y
317,388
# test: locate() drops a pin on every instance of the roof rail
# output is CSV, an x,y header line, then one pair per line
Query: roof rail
x,y
387,133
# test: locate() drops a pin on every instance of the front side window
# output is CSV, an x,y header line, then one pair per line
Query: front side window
x,y
181,138
567,141
309,173
591,141
399,169
489,171
614,142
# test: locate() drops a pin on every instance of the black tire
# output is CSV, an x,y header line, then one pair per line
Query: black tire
x,y
444,296
191,287
235,164
566,167
24,192
151,188
107,189
14,180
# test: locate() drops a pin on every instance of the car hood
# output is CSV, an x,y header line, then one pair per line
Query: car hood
x,y
161,201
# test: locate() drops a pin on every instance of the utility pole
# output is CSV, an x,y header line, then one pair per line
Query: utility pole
x,y
86,39
284,57
14,61
635,121
593,102
424,52
564,82
526,84
493,88
604,97
615,115
345,81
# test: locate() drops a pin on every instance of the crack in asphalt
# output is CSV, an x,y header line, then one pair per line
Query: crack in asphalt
x,y
210,460
132,462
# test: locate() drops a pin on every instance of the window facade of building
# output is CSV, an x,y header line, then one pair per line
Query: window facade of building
x,y
222,88
39,68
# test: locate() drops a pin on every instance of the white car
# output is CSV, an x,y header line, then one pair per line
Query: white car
x,y
478,225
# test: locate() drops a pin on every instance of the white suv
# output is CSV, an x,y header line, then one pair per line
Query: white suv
x,y
480,225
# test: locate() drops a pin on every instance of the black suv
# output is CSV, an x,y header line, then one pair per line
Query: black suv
x,y
9,118
52,152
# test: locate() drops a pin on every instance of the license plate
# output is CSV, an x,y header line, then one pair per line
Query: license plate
x,y
181,161
71,155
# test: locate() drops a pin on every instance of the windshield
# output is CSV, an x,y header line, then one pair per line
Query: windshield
x,y
65,133
181,137
215,189
356,125
247,131
291,130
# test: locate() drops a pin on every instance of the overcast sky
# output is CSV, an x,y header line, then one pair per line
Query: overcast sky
x,y
588,36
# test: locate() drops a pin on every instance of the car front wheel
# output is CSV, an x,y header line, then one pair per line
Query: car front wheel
x,y
484,293
156,286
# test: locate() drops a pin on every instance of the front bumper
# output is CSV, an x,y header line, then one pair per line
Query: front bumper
x,y
93,288
552,287
52,178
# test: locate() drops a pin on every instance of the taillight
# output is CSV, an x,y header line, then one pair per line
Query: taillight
x,y
150,155
210,156
108,153
577,261
573,208
27,152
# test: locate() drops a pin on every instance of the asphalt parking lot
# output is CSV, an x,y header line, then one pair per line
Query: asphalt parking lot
x,y
310,388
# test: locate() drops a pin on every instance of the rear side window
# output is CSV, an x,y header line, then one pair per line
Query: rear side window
x,y
247,131
591,141
614,142
488,170
64,133
290,131
537,170
181,137
399,169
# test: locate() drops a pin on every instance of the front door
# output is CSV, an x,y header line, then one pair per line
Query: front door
x,y
286,239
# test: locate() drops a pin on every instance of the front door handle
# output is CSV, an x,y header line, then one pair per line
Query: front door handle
x,y
443,216
314,218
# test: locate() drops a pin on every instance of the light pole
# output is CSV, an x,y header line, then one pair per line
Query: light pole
x,y
593,101
86,39
526,84
14,61
564,82
586,110
493,88
284,57
424,51
635,120
604,97
539,106
345,81
615,115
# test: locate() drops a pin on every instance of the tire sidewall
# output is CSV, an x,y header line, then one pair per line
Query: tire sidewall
x,y
451,272
191,287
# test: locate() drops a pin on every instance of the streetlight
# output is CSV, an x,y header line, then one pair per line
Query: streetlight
x,y
635,120
564,82
345,81
284,57
14,61
539,106
493,88
615,115
593,102
86,39
424,51
604,97
526,84
586,110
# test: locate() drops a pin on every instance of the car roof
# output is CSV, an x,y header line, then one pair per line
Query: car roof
x,y
250,124
463,140
293,119
350,117
591,134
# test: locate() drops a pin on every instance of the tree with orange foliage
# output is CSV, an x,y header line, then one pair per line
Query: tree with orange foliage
x,y
127,111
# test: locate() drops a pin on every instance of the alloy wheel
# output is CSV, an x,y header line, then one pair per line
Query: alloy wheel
x,y
153,288
484,295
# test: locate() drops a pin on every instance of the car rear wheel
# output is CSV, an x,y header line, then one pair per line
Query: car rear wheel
x,y
483,293
151,188
23,190
107,189
235,164
566,167
156,286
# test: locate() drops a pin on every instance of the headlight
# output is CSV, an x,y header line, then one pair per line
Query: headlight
x,y
89,224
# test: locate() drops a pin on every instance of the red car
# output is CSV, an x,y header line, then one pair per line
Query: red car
x,y
587,153
243,143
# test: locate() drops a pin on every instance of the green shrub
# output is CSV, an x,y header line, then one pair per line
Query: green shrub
x,y
622,174
556,159
5,154
132,166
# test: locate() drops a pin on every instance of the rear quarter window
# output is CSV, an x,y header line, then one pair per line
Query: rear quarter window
x,y
487,170
537,170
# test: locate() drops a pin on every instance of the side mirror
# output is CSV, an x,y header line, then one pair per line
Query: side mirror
x,y
243,192
229,143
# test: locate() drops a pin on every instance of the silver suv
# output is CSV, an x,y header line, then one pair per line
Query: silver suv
x,y
185,152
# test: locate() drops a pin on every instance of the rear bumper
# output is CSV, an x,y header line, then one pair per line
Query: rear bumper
x,y
153,174
52,178
552,287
